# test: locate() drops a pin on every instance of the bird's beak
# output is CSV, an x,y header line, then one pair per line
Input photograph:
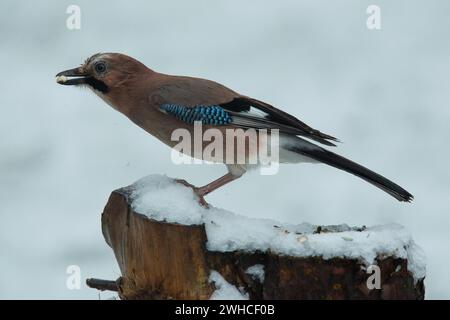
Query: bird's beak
x,y
79,77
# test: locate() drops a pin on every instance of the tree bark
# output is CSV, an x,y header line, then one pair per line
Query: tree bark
x,y
160,260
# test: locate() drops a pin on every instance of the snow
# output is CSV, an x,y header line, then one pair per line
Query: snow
x,y
256,272
161,198
225,290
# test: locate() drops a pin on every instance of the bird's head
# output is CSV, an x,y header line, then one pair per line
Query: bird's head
x,y
103,72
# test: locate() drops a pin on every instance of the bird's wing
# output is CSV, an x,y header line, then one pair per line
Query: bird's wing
x,y
251,113
190,92
193,99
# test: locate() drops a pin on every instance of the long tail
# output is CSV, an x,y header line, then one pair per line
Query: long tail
x,y
322,155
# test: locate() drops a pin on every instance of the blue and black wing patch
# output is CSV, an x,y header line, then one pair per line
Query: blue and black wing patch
x,y
208,115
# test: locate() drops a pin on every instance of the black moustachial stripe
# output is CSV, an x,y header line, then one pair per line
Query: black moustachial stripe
x,y
97,84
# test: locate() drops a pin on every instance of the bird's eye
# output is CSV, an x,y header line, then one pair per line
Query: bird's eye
x,y
100,67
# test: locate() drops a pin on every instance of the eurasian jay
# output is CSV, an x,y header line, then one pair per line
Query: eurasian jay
x,y
161,103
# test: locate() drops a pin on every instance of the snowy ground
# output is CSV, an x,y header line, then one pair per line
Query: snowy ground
x,y
62,151
225,290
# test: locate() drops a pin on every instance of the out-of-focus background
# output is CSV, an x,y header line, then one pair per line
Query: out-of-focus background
x,y
384,93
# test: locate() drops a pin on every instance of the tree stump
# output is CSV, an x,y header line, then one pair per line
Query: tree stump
x,y
161,260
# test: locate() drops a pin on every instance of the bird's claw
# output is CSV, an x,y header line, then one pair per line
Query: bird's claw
x,y
196,190
185,183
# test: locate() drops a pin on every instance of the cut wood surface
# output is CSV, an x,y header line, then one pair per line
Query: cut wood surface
x,y
160,260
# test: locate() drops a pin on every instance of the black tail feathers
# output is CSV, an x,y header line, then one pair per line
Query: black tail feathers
x,y
339,162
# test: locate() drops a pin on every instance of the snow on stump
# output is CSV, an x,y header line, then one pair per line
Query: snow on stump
x,y
168,246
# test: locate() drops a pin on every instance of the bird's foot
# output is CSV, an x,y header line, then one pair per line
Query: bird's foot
x,y
196,190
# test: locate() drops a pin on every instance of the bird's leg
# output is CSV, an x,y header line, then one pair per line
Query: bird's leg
x,y
203,191
206,189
